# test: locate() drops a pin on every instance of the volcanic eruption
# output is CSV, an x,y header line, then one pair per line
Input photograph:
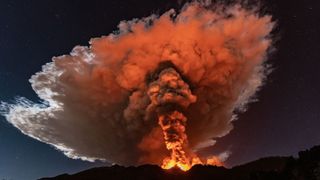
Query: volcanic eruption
x,y
157,91
168,89
168,94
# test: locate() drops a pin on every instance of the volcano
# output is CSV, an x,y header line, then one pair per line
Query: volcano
x,y
305,167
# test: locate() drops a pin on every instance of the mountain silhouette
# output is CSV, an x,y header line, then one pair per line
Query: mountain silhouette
x,y
305,167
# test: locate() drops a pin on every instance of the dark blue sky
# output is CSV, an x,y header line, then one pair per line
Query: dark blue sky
x,y
285,120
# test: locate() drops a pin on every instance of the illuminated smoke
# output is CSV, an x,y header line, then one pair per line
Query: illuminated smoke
x,y
167,91
99,101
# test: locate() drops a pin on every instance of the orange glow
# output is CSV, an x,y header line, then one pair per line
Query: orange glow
x,y
215,161
169,123
170,163
175,122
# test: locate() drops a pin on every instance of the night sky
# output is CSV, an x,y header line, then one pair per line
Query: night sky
x,y
285,120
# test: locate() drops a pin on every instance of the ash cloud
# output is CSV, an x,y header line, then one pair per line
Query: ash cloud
x,y
95,99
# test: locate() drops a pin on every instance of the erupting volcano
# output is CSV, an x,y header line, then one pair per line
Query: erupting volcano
x,y
168,89
157,91
168,94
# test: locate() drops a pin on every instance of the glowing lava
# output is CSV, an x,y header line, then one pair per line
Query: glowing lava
x,y
173,127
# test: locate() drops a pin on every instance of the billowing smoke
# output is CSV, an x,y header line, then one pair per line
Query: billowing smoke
x,y
196,68
169,92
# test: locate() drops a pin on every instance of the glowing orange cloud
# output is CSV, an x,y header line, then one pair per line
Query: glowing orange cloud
x,y
121,98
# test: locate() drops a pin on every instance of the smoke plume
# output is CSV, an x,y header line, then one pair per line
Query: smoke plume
x,y
196,67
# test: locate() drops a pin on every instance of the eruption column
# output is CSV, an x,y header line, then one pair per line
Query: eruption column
x,y
169,93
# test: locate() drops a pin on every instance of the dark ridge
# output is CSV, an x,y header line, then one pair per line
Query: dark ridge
x,y
305,167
